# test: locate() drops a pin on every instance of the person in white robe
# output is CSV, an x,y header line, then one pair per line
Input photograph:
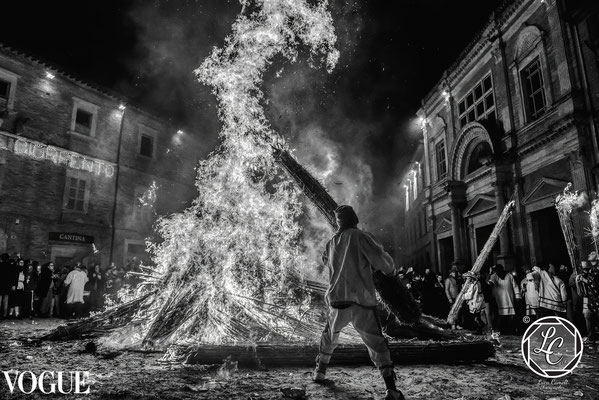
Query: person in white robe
x,y
76,280
552,292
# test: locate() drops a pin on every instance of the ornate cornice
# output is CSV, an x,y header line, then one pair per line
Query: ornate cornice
x,y
554,131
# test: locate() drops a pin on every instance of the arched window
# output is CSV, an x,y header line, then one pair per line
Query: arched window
x,y
479,156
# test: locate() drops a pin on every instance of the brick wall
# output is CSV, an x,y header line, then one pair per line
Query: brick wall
x,y
32,191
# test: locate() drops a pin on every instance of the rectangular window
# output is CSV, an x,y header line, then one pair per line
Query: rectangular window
x,y
534,95
75,194
84,117
8,89
478,104
83,121
4,93
146,147
440,157
141,212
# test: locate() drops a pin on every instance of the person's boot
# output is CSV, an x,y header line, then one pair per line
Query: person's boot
x,y
389,377
320,371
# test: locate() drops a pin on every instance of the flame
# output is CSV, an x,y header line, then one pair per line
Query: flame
x,y
594,218
148,198
569,200
231,263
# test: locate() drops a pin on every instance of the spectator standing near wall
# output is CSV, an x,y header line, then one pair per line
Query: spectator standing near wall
x,y
6,283
45,290
29,291
96,281
441,305
17,290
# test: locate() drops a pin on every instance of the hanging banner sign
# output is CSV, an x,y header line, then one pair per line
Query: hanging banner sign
x,y
40,151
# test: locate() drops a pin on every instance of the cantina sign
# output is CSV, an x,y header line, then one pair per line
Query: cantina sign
x,y
70,237
40,151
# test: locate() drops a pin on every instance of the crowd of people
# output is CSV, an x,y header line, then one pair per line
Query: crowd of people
x,y
30,289
506,302
499,302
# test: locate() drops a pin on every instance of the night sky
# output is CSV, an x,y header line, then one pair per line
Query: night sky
x,y
392,53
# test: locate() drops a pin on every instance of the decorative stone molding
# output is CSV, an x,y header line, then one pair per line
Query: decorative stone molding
x,y
528,39
471,134
575,158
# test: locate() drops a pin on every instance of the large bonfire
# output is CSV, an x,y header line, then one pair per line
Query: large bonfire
x,y
230,268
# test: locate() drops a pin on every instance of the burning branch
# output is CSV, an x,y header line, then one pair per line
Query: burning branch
x,y
565,204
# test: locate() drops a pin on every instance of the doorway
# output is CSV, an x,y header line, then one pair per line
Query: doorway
x,y
548,238
445,254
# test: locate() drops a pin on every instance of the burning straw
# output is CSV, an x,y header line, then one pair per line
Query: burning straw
x,y
231,266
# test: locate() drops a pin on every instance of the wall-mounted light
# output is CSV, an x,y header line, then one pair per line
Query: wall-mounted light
x,y
446,95
49,75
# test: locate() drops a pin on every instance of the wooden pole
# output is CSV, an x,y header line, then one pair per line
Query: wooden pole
x,y
480,260
283,355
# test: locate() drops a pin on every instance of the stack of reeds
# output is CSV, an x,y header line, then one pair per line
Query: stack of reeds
x,y
309,185
565,204
395,298
104,322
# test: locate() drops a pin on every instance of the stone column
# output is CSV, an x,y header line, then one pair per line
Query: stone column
x,y
559,47
456,231
457,197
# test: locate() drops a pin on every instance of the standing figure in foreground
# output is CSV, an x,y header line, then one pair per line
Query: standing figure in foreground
x,y
350,257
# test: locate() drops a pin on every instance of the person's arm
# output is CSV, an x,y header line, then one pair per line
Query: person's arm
x,y
376,255
325,254
69,278
563,291
516,290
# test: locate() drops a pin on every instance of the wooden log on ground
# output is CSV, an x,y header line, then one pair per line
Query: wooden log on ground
x,y
264,355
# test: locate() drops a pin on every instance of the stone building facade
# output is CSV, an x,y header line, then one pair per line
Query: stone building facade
x,y
75,161
515,117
